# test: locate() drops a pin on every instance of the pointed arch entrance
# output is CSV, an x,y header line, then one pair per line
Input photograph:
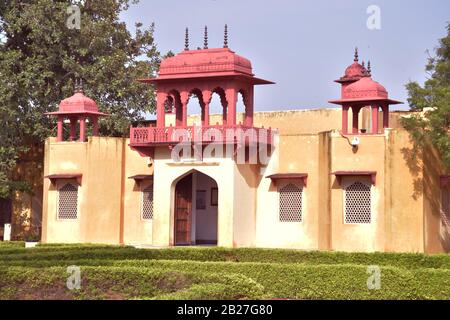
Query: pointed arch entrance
x,y
195,210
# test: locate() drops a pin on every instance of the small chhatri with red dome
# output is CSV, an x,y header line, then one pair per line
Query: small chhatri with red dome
x,y
77,108
358,91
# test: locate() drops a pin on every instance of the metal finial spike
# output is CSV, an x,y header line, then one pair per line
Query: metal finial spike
x,y
78,85
205,40
369,69
186,40
363,64
356,55
225,37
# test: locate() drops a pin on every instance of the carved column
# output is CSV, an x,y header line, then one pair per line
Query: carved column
x,y
178,113
355,120
345,119
82,128
248,101
374,119
59,135
160,112
385,109
184,103
231,95
207,95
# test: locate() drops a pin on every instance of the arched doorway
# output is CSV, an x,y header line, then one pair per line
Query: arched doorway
x,y
196,210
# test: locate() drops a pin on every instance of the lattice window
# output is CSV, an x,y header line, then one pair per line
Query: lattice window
x,y
358,203
291,203
68,202
147,203
445,209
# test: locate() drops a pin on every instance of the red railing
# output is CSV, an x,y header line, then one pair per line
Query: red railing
x,y
196,134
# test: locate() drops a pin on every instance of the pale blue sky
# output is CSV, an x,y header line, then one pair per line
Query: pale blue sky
x,y
304,45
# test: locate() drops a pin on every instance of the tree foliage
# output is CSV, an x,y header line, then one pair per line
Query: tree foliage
x,y
40,57
432,101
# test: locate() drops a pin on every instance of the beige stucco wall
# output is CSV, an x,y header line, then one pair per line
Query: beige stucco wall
x,y
405,198
135,229
271,232
368,157
101,161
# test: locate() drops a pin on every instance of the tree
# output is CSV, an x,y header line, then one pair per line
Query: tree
x,y
432,100
41,56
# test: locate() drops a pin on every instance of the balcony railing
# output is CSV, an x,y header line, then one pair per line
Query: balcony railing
x,y
237,134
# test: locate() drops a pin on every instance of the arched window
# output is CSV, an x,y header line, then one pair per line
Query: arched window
x,y
147,203
291,203
357,203
68,202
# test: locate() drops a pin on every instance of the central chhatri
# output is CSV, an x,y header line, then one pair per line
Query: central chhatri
x,y
201,73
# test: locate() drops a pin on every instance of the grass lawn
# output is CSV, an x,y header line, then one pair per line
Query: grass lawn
x,y
113,272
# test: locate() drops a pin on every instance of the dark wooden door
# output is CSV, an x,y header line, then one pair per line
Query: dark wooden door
x,y
183,211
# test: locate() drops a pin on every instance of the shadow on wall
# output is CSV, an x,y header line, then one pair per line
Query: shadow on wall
x,y
413,157
426,166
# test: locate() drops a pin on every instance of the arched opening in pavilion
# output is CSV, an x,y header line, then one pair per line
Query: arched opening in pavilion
x,y
195,210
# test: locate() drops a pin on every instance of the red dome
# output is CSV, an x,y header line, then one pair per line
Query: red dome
x,y
205,61
355,70
78,103
365,88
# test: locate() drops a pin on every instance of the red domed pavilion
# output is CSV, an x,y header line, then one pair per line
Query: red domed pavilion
x,y
199,73
203,72
77,108
358,91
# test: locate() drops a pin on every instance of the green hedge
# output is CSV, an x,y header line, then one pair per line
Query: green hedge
x,y
12,244
210,280
124,283
86,252
113,272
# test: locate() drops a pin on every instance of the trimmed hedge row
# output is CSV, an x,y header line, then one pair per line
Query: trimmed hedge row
x,y
224,280
124,283
85,252
305,281
113,272
12,244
